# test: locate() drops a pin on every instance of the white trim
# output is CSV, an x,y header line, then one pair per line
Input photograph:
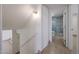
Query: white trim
x,y
1,29
78,29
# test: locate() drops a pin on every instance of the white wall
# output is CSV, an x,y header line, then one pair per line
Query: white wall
x,y
66,25
50,24
22,20
30,36
6,34
54,10
78,28
27,34
34,34
73,28
44,27
6,41
0,26
37,28
16,16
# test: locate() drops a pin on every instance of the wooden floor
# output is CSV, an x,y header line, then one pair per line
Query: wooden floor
x,y
56,47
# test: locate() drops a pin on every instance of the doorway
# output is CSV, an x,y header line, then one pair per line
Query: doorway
x,y
57,27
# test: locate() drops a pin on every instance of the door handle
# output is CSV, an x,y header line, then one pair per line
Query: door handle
x,y
74,35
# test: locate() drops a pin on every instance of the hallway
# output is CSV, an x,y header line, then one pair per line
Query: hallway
x,y
33,26
56,47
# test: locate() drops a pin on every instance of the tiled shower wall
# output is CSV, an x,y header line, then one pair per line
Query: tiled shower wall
x,y
57,25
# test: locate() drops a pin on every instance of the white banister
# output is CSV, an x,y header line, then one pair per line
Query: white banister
x,y
33,36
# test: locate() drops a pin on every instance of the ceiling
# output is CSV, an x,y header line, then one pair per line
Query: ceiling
x,y
16,15
57,9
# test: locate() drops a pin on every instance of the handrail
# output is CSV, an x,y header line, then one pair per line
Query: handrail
x,y
29,40
25,41
8,40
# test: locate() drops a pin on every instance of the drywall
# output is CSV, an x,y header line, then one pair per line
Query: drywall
x,y
0,26
10,42
73,28
14,13
30,36
34,31
37,27
78,29
53,10
28,47
56,9
66,25
44,27
22,20
6,34
6,41
50,14
27,34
